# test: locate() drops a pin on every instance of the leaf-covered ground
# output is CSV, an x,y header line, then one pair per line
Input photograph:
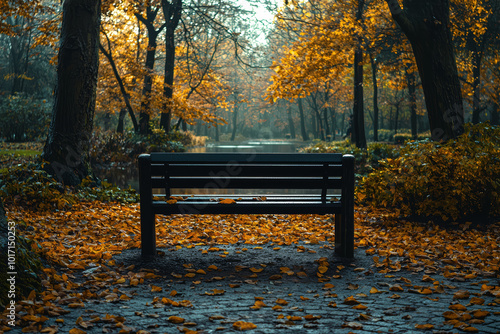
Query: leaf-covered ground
x,y
90,282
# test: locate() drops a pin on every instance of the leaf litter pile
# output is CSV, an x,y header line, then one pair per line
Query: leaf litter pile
x,y
79,246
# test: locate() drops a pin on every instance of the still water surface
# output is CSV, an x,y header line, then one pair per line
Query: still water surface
x,y
125,177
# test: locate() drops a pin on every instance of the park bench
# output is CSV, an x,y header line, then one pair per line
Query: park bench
x,y
325,182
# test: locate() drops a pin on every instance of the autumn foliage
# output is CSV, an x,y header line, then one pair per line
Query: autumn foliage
x,y
451,181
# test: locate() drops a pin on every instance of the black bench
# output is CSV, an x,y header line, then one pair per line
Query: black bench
x,y
326,181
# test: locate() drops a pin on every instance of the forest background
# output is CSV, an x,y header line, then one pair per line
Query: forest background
x,y
239,77
173,71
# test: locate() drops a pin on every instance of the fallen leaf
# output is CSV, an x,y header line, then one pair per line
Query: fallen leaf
x,y
175,320
243,325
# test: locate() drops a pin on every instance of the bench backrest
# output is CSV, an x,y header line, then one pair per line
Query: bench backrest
x,y
321,171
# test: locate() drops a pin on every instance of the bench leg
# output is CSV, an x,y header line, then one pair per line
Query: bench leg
x,y
348,222
148,235
344,235
339,235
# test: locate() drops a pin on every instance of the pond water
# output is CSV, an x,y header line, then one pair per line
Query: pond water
x,y
125,177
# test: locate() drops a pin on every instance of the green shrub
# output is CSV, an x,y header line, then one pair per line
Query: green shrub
x,y
23,118
112,147
401,138
456,180
385,135
31,187
365,159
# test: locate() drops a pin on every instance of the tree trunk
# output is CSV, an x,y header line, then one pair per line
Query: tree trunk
x,y
172,13
68,143
476,86
145,113
303,131
495,114
375,98
327,126
358,122
426,24
290,122
410,78
121,120
235,122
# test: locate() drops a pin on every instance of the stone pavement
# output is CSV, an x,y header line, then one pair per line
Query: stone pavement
x,y
227,288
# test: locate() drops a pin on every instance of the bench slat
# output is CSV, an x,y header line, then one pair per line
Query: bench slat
x,y
247,183
288,170
248,208
247,158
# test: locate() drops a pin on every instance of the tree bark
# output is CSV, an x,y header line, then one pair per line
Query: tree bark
x,y
303,131
68,143
476,85
375,98
358,121
235,122
410,78
426,24
145,113
291,125
172,12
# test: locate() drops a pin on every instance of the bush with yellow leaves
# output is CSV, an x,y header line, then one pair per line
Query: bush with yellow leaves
x,y
456,180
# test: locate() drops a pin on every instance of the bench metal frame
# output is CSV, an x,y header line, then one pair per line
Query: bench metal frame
x,y
330,174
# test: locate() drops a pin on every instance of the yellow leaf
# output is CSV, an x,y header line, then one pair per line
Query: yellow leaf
x,y
227,201
461,294
476,301
155,288
350,301
479,314
360,307
457,307
424,326
281,301
256,270
425,291
374,290
175,320
243,325
322,269
469,329
76,331
396,287
450,315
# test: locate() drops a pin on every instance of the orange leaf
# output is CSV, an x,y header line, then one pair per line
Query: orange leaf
x,y
243,325
227,201
175,320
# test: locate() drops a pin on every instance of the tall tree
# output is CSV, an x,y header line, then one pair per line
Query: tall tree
x,y
426,25
172,11
358,115
68,143
148,21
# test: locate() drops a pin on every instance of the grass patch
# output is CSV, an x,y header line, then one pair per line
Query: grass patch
x,y
19,153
